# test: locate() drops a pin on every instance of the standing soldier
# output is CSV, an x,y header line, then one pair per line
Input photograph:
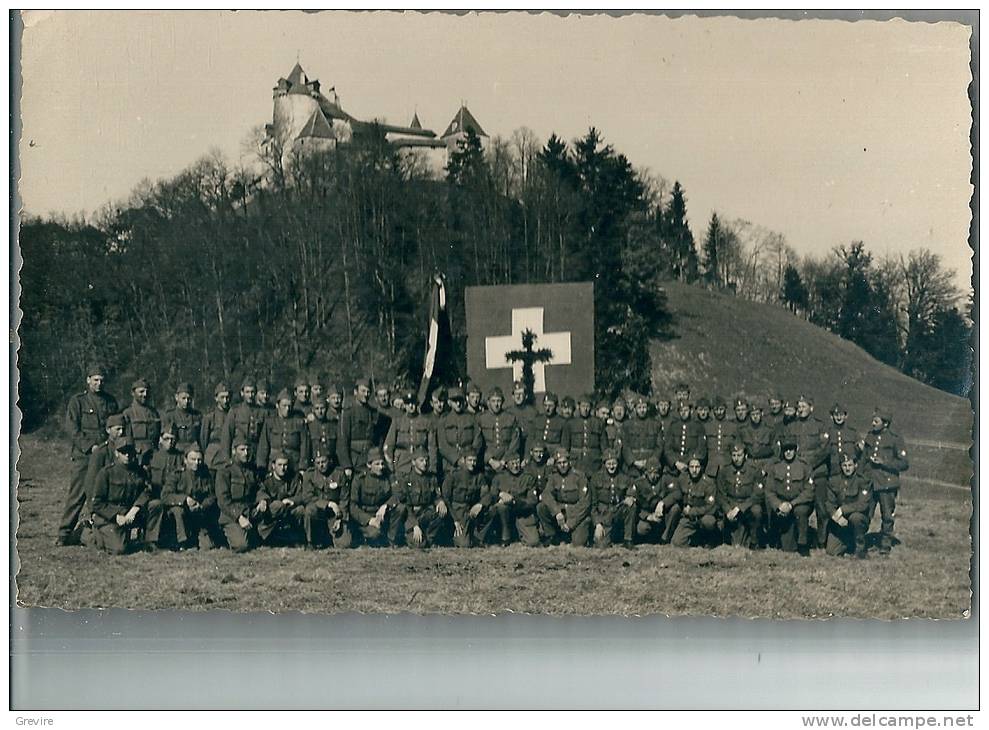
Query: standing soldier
x,y
238,498
613,502
586,437
522,409
720,434
468,497
775,415
323,433
458,434
189,501
357,425
681,393
664,412
518,495
85,422
245,419
372,505
790,498
885,457
166,461
759,439
262,399
287,433
842,438
316,381
142,422
741,494
211,433
685,437
408,433
285,514
603,411
324,491
615,428
658,501
300,391
741,408
475,404
386,413
548,427
567,406
419,494
501,436
183,420
121,499
699,522
565,504
850,497
643,437
814,448
334,403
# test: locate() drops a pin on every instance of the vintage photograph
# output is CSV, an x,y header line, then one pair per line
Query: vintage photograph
x,y
487,312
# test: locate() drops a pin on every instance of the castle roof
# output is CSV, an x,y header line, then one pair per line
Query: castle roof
x,y
298,76
415,123
316,127
463,121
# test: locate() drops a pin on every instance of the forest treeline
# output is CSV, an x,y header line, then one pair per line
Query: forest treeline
x,y
322,261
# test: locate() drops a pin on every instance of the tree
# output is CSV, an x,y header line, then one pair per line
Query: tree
x,y
794,293
712,244
929,293
677,236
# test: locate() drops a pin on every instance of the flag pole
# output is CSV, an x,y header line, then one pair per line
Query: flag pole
x,y
437,312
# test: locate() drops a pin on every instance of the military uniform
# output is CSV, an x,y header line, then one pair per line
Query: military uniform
x,y
244,420
418,494
461,491
406,434
323,435
100,458
842,440
853,495
289,435
701,521
285,513
117,490
520,512
538,471
643,440
742,487
357,429
523,416
187,425
192,524
608,507
457,434
614,429
326,499
570,495
237,495
211,437
888,447
586,441
501,436
549,430
759,440
164,463
367,493
683,439
720,434
143,426
648,496
790,482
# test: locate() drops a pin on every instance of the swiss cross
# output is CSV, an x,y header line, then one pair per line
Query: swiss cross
x,y
496,349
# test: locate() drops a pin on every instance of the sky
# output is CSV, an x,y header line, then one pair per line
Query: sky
x,y
823,130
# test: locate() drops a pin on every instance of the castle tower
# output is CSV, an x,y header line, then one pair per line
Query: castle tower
x,y
457,129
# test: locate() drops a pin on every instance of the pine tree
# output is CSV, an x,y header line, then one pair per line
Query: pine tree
x,y
794,293
712,245
678,238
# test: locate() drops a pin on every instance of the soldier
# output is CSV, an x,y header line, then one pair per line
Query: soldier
x,y
458,434
386,414
565,504
790,498
518,495
603,411
664,413
567,406
614,504
549,426
334,403
121,502
357,426
101,457
842,438
286,433
409,432
685,436
166,461
324,492
615,428
885,457
285,515
323,433
183,420
741,409
537,464
300,396
775,415
475,404
239,499
419,495
189,500
522,409
814,448
468,496
316,380
741,494
681,393
211,433
501,436
372,505
643,437
262,399
699,522
438,410
657,498
586,437
850,496
245,419
759,439
85,422
142,422
720,434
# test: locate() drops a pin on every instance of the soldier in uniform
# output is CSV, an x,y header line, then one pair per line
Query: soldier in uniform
x,y
567,407
166,461
316,380
357,426
842,438
300,392
790,498
522,409
142,422
615,428
211,433
741,495
386,413
183,420
603,411
101,457
681,394
323,433
468,497
189,500
774,416
475,403
85,422
548,427
518,495
409,432
720,434
537,464
565,504
759,439
458,434
245,419
885,457
586,437
814,449
658,499
501,436
262,399
324,492
286,432
239,498
285,514
699,523
372,506
741,409
849,500
686,436
121,497
614,507
419,495
664,412
643,437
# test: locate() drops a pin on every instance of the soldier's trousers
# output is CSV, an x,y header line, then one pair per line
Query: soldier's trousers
x,y
745,529
240,540
189,524
281,516
427,520
696,530
821,513
665,527
153,512
75,499
580,532
618,522
850,538
317,521
390,531
116,539
526,525
886,500
792,529
477,530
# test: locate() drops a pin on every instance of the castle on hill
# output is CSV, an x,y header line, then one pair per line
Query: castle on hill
x,y
306,117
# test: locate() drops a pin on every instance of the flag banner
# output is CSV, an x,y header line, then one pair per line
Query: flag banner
x,y
437,338
560,318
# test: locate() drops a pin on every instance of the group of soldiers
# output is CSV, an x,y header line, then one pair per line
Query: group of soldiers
x,y
308,468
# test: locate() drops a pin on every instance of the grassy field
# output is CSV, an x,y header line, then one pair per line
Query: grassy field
x,y
926,576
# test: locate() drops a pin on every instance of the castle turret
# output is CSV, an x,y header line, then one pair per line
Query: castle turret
x,y
463,121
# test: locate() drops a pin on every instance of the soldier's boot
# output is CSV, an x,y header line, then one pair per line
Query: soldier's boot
x,y
627,515
858,526
802,517
503,514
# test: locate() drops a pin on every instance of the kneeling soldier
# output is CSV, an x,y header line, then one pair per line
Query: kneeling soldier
x,y
284,515
790,498
849,499
238,498
120,499
658,501
740,497
614,504
468,496
371,503
518,495
419,493
699,523
565,504
325,492
191,503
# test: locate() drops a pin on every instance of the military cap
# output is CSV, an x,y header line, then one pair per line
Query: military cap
x,y
247,382
775,395
513,456
516,384
838,408
240,440
366,382
550,397
283,394
440,393
455,393
374,454
139,383
409,397
694,456
848,456
703,403
335,387
602,404
585,398
185,387
756,407
788,443
277,454
318,401
719,402
420,453
681,386
124,444
117,419
664,399
609,454
884,414
637,399
737,444
619,401
299,381
263,384
652,464
568,401
221,387
321,451
193,448
472,388
739,401
537,444
561,452
95,368
496,393
805,399
789,404
316,378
